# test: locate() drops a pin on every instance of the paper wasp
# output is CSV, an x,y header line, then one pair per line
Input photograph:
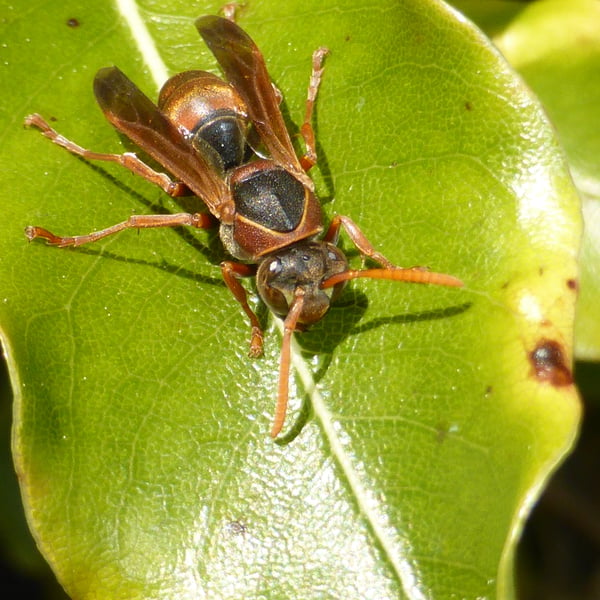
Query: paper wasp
x,y
204,131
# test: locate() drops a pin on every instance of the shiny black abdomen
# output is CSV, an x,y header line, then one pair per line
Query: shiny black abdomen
x,y
223,132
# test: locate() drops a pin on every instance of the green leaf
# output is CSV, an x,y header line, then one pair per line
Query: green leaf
x,y
552,42
555,46
425,420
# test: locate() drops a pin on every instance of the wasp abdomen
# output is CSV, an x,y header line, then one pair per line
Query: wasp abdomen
x,y
208,111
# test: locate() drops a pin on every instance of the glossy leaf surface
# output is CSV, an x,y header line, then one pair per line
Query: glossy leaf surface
x,y
556,48
425,419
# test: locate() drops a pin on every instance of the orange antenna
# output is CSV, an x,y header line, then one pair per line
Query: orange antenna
x,y
410,275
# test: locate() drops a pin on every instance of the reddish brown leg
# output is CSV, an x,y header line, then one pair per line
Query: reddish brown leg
x,y
232,271
199,220
358,239
390,271
289,325
128,159
309,160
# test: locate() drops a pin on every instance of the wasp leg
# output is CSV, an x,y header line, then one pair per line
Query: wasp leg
x,y
390,270
199,220
289,325
358,239
309,160
128,159
232,272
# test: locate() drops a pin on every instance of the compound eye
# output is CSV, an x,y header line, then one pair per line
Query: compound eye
x,y
270,288
332,256
275,267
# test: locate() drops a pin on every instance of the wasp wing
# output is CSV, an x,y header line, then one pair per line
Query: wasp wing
x,y
244,66
134,114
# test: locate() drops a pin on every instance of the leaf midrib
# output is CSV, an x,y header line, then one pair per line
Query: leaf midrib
x,y
149,53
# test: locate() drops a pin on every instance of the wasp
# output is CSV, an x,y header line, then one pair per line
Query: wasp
x,y
226,142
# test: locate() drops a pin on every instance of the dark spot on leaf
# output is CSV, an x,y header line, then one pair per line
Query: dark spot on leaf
x,y
548,362
443,430
347,38
572,284
73,22
468,106
488,390
236,528
541,271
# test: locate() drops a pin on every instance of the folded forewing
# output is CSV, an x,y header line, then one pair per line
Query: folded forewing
x,y
135,115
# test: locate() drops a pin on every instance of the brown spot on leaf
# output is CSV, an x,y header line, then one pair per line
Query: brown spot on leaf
x,y
442,432
572,284
548,362
468,105
73,22
236,528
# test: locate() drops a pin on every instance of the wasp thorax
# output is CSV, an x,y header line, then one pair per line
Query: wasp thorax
x,y
304,265
209,112
269,195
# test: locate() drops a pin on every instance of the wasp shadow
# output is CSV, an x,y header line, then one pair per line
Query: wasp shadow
x,y
344,320
322,339
211,249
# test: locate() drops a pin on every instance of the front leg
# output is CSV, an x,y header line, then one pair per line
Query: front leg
x,y
389,271
232,272
358,239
